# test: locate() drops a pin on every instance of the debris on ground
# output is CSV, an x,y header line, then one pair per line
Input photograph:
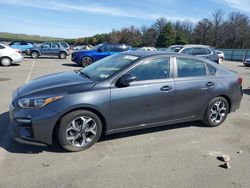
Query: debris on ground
x,y
239,152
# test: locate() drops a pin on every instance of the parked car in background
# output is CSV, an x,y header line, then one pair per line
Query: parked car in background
x,y
201,51
123,92
83,47
174,48
86,57
9,55
49,49
146,49
21,45
220,55
246,61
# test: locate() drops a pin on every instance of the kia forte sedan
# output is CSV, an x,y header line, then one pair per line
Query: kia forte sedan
x,y
123,92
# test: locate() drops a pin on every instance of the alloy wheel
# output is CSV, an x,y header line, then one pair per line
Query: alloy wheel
x,y
86,61
218,112
81,131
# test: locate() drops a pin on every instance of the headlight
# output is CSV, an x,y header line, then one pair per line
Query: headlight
x,y
37,102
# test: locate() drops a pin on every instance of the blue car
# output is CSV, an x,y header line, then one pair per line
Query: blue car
x,y
22,46
86,57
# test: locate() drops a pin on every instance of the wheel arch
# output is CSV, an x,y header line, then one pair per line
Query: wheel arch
x,y
91,109
228,100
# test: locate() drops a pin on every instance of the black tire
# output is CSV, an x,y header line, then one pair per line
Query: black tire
x,y
34,54
62,55
5,61
211,116
65,123
86,61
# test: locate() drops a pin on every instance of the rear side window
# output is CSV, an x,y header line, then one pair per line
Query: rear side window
x,y
190,67
206,51
24,43
153,69
2,47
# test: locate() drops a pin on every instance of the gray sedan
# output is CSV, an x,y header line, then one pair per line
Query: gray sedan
x,y
123,92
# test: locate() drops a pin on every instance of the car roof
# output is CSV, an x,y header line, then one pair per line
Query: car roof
x,y
144,54
196,45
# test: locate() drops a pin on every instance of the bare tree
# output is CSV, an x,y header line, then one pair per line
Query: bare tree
x,y
202,31
217,20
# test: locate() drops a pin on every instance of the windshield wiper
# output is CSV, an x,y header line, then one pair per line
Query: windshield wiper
x,y
84,74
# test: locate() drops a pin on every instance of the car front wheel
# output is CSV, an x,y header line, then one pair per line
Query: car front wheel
x,y
79,130
216,112
34,54
5,61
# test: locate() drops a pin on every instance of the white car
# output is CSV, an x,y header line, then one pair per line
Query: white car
x,y
9,55
146,49
220,55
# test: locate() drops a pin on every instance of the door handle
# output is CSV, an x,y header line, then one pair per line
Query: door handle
x,y
210,84
166,88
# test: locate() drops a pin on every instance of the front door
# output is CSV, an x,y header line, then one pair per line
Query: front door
x,y
147,100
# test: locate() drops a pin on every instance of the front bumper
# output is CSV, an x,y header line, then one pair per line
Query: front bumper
x,y
32,126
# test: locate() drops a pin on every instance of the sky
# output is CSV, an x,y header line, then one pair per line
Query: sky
x,y
81,18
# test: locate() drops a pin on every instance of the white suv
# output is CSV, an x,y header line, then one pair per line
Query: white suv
x,y
9,55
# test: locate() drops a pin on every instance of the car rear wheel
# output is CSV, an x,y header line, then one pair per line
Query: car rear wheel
x,y
86,61
79,130
216,112
6,61
34,54
62,55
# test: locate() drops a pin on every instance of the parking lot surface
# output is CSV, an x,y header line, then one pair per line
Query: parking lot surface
x,y
182,155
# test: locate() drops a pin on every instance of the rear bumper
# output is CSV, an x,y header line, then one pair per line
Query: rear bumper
x,y
17,59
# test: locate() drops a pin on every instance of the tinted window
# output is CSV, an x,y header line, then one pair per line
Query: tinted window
x,y
152,70
2,47
55,45
46,45
24,43
189,67
119,48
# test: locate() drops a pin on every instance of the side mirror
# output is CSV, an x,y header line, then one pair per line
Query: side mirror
x,y
125,80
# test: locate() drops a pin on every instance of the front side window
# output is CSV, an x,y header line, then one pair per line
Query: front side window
x,y
46,45
190,67
152,70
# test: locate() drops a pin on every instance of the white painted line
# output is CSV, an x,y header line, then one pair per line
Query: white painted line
x,y
30,72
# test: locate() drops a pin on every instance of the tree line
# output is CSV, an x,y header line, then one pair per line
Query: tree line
x,y
219,31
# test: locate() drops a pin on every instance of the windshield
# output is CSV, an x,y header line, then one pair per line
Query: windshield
x,y
106,67
97,46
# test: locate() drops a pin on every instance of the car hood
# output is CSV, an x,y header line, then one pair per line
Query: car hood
x,y
59,83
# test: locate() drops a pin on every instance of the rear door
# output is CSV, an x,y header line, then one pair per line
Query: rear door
x,y
194,87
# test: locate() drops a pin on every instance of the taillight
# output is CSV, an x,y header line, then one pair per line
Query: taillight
x,y
240,80
19,51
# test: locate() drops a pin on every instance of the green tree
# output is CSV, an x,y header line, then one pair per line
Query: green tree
x,y
167,36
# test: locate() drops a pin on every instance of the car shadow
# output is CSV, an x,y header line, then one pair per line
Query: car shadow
x,y
246,91
43,57
10,145
71,65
